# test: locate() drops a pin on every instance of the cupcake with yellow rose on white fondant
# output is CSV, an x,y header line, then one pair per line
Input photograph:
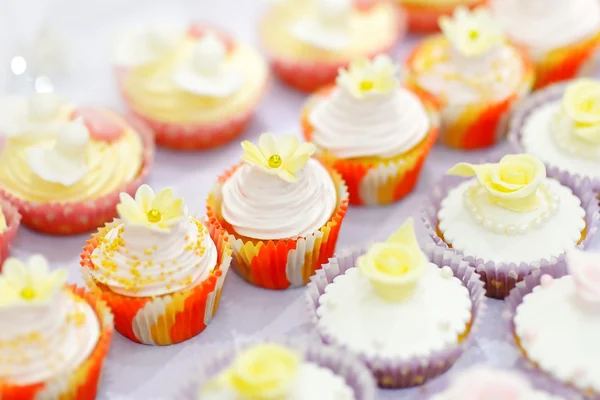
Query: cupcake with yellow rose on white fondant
x,y
406,318
508,218
196,87
561,125
53,337
63,166
375,133
157,268
10,219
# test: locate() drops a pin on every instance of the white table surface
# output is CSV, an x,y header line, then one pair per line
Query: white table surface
x,y
134,371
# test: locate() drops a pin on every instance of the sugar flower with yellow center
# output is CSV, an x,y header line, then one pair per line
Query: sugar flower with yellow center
x,y
29,283
511,183
365,77
472,33
394,266
282,156
581,103
161,211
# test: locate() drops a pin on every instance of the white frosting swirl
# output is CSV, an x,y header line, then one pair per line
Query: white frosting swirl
x,y
546,25
381,124
259,205
139,262
40,342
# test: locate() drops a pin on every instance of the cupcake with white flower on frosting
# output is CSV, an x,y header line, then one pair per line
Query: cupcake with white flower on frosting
x,y
375,133
156,263
53,338
281,209
197,88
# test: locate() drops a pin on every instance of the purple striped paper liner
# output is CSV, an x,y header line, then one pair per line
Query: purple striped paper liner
x,y
392,372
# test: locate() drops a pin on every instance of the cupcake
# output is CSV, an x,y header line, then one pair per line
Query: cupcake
x,y
157,268
475,76
308,41
281,371
508,218
196,88
406,318
561,126
423,15
280,210
63,166
562,343
375,133
10,219
561,38
53,338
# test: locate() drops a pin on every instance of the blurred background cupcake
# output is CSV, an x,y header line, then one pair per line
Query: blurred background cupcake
x,y
10,219
309,40
423,15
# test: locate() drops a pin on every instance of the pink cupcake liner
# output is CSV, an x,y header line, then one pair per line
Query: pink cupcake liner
x,y
13,220
71,218
345,365
390,372
500,278
544,96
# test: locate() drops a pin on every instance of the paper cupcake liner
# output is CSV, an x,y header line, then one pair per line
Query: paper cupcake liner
x,y
423,18
512,302
547,95
283,263
168,319
343,365
500,278
388,371
71,218
374,181
13,220
82,383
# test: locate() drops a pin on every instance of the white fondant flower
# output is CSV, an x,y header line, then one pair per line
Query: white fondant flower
x,y
144,46
29,283
327,27
65,163
585,268
581,102
483,382
472,33
512,183
161,211
207,72
37,117
364,77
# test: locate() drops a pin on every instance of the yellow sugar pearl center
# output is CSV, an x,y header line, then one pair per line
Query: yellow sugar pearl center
x,y
473,35
275,161
154,215
27,293
365,86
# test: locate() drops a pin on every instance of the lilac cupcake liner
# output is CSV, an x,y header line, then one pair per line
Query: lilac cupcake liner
x,y
500,278
520,116
344,365
391,372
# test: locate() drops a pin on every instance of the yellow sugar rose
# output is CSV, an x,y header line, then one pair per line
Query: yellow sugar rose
x,y
581,102
511,183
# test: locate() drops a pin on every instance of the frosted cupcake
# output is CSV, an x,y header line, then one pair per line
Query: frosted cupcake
x,y
475,76
561,126
423,15
560,37
508,218
53,338
375,133
10,219
406,318
282,211
308,41
197,89
63,166
157,268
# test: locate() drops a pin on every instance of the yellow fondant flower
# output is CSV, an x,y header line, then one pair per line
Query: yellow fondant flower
x,y
512,183
395,266
29,283
282,156
161,211
581,102
364,77
472,33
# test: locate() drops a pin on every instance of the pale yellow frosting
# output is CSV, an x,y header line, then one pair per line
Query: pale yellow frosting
x,y
110,166
369,30
152,92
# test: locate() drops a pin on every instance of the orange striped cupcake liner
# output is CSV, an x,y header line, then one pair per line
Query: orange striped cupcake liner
x,y
423,17
168,319
82,383
284,263
13,220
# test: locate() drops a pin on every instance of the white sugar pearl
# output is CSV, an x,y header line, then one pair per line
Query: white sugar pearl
x,y
523,228
446,272
488,224
511,230
499,228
